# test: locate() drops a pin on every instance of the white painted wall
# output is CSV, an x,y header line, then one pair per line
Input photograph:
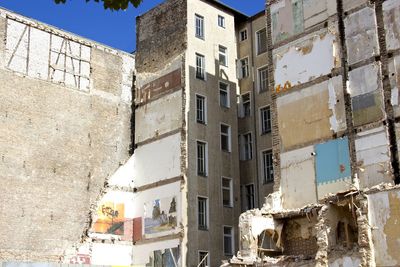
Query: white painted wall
x,y
111,254
364,80
141,253
298,184
159,117
297,67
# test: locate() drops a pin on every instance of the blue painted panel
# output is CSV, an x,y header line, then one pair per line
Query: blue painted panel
x,y
332,161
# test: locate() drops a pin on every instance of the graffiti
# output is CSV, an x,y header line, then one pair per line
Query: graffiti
x,y
162,216
285,87
110,219
80,259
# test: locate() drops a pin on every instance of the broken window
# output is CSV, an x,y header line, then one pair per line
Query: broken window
x,y
244,68
223,58
263,79
243,35
250,197
203,259
246,103
246,146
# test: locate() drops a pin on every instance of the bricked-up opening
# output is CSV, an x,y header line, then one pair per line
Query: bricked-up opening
x,y
390,122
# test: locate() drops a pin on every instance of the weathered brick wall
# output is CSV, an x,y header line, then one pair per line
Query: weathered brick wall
x,y
58,146
161,35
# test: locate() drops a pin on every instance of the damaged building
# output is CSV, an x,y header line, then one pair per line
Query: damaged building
x,y
265,140
334,102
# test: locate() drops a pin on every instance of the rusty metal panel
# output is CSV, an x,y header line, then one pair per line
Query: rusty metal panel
x,y
163,85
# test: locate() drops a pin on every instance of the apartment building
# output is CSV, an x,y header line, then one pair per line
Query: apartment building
x,y
254,114
334,86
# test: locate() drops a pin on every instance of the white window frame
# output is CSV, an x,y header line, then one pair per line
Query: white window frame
x,y
206,262
230,189
264,167
206,213
205,158
204,112
262,130
221,21
199,29
232,236
257,43
240,35
223,55
227,91
248,206
201,67
244,67
243,145
265,67
227,135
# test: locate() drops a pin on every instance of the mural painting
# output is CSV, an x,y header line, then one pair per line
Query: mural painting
x,y
160,215
169,257
110,219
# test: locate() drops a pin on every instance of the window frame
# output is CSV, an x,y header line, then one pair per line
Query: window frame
x,y
221,21
268,127
258,42
267,180
205,213
230,190
223,55
243,105
205,160
207,261
227,135
201,26
249,155
201,67
240,35
253,201
198,120
241,67
227,90
231,235
259,82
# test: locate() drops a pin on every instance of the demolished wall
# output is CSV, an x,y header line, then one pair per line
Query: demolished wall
x,y
64,132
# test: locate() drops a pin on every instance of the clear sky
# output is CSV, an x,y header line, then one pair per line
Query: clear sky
x,y
90,20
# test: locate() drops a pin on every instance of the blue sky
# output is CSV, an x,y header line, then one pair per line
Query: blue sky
x,y
116,29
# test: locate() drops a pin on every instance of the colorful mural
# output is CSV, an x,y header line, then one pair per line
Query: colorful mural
x,y
169,257
110,219
160,215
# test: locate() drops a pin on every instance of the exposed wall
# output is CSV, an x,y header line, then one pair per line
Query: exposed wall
x,y
62,128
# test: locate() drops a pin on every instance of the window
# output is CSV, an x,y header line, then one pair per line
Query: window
x,y
221,21
225,137
201,158
265,118
244,68
199,26
246,105
227,192
204,259
243,35
250,196
246,147
262,79
200,109
268,167
261,37
222,56
202,213
228,240
223,95
200,67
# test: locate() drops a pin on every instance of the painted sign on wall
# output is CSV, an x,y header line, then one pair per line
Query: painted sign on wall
x,y
169,257
110,218
160,215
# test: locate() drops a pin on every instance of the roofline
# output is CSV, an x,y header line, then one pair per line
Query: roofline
x,y
235,12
